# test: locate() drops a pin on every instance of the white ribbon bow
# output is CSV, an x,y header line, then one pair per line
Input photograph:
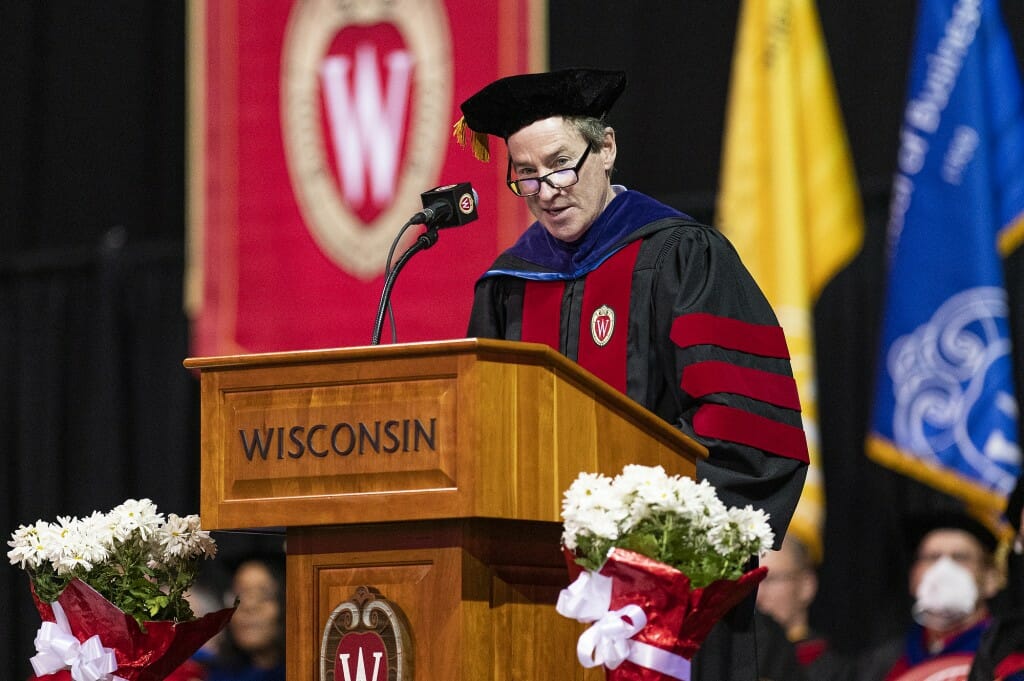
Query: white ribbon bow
x,y
607,642
57,649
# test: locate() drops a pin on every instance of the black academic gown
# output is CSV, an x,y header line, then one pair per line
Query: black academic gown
x,y
660,307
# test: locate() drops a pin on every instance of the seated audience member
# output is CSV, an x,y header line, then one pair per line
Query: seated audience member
x,y
951,579
254,641
786,596
1001,653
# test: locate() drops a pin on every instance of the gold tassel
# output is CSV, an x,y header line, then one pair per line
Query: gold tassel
x,y
459,131
479,143
480,147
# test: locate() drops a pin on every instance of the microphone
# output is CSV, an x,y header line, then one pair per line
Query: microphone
x,y
450,205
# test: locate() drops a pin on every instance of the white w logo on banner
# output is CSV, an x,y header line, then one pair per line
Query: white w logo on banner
x,y
366,126
360,666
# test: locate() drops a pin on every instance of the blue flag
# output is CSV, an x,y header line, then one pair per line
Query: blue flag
x,y
945,407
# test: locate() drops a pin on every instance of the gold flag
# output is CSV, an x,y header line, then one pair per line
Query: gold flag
x,y
788,198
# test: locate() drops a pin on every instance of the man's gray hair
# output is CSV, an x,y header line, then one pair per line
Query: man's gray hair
x,y
590,128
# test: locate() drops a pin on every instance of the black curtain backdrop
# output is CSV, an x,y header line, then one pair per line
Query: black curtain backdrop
x,y
96,406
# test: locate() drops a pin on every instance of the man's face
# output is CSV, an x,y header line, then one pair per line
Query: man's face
x,y
964,550
553,144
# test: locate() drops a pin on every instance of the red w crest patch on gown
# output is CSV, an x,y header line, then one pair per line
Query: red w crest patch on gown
x,y
602,325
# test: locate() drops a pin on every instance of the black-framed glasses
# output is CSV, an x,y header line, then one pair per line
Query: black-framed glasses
x,y
556,179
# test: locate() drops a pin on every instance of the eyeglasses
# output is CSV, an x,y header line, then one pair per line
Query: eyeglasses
x,y
557,179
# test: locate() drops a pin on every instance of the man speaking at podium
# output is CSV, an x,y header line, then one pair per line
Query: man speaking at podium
x,y
655,304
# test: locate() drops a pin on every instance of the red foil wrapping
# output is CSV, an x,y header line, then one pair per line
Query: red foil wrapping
x,y
679,617
149,655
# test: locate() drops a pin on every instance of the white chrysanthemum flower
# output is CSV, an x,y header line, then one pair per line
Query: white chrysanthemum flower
x,y
697,503
128,540
99,528
75,545
569,533
605,523
27,549
50,539
644,507
639,479
71,560
586,491
173,537
90,550
136,515
710,511
593,506
61,537
203,544
744,532
181,538
753,528
647,489
723,538
69,546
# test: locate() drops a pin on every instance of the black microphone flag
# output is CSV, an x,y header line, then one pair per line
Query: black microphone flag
x,y
449,205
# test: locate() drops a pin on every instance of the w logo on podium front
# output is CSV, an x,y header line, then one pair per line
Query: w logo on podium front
x,y
361,657
367,638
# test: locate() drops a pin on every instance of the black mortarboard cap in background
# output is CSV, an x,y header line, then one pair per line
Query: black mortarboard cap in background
x,y
509,104
921,524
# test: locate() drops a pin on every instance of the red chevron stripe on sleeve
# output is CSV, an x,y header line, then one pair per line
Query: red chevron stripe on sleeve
x,y
735,425
701,328
705,378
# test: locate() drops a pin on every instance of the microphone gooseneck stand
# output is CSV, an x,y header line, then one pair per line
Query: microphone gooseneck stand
x,y
423,242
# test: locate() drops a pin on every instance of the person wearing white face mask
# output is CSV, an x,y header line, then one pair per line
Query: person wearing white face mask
x,y
951,579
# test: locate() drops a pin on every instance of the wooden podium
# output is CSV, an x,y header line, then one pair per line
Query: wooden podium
x,y
430,472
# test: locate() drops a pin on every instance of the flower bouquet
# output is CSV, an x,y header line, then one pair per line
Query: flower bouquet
x,y
111,588
657,561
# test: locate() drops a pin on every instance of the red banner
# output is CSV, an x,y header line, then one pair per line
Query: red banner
x,y
314,127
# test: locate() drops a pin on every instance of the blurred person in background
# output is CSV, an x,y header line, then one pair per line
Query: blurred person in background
x,y
952,578
253,647
786,595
